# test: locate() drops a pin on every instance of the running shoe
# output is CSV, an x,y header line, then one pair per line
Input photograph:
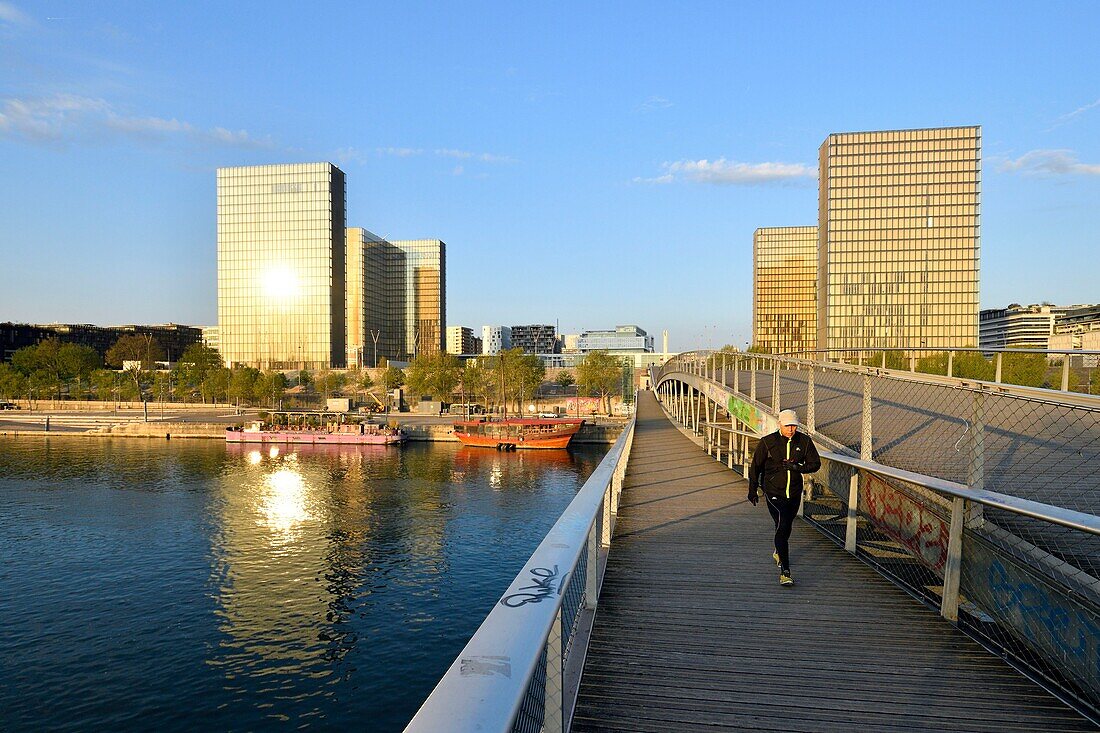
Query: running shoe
x,y
775,556
785,577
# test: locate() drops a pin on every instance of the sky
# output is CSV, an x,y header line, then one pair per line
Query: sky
x,y
588,165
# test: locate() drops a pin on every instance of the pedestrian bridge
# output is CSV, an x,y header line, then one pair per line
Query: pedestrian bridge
x,y
945,572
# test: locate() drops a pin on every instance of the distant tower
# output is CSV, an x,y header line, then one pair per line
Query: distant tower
x,y
281,265
898,228
664,341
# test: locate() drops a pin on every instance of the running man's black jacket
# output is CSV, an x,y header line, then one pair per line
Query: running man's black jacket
x,y
781,463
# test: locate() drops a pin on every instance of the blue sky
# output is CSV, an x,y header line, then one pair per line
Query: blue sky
x,y
590,166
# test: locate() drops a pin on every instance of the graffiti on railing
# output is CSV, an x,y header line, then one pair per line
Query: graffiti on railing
x,y
541,588
912,524
1060,627
747,414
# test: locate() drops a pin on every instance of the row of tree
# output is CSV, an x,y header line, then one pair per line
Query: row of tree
x,y
54,370
508,379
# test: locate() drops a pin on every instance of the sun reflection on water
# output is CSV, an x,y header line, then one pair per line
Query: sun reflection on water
x,y
284,503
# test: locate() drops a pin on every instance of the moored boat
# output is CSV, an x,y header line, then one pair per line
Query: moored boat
x,y
325,433
517,433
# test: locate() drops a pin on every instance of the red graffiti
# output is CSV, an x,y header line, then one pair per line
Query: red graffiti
x,y
905,520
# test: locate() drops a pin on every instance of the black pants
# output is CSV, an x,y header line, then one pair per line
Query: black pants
x,y
783,512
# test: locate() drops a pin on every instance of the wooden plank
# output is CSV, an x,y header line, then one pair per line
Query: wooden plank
x,y
693,630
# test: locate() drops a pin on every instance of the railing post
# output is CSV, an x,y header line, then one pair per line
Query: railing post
x,y
1065,372
553,718
952,568
853,513
736,374
729,453
752,379
775,384
810,424
951,363
997,376
723,370
592,569
884,358
975,470
865,445
745,461
912,362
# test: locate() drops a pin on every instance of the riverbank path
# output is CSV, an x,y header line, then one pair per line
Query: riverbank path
x,y
694,631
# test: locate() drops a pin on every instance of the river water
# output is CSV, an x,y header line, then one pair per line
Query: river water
x,y
194,585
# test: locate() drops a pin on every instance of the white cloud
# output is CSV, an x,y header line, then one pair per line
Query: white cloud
x,y
67,117
11,14
1079,111
399,152
653,103
1050,163
724,172
467,155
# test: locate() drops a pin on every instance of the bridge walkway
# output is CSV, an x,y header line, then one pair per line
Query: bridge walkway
x,y
694,632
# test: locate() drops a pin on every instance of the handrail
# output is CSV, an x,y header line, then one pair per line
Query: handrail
x,y
1036,510
486,685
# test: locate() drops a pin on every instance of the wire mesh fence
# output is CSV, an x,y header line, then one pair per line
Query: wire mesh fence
x,y
1026,587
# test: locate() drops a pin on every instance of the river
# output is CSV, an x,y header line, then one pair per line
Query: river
x,y
192,585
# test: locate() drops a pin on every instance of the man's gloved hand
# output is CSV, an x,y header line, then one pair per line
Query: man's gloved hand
x,y
790,465
753,496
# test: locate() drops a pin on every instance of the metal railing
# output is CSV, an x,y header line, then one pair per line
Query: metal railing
x,y
521,669
1015,573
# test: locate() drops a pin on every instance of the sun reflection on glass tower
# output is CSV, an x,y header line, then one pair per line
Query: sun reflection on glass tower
x,y
281,265
784,289
898,236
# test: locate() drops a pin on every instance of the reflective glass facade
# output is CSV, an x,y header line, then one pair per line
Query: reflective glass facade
x,y
281,265
784,289
898,239
420,277
367,258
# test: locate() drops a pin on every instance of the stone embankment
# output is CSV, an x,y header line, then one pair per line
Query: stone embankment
x,y
594,433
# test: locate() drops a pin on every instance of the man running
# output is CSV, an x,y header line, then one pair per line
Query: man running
x,y
777,467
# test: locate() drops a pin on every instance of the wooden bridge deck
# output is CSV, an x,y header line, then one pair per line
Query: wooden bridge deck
x,y
694,632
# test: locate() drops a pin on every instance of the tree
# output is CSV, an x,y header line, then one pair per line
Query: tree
x,y
327,382
565,379
1094,381
475,381
137,354
241,381
162,386
54,365
270,387
193,367
105,384
600,372
437,374
1029,370
215,383
972,365
531,373
12,383
392,378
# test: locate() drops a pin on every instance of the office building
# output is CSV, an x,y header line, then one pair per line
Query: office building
x,y
422,276
784,289
898,239
281,265
624,338
494,339
373,313
1017,326
173,338
210,337
461,340
570,343
536,339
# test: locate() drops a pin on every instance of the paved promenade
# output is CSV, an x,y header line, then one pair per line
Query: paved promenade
x,y
694,632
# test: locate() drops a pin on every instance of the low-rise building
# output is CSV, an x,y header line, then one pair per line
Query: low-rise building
x,y
628,338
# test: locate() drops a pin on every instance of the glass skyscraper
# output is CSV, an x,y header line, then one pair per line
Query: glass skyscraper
x,y
281,265
784,289
898,239
418,281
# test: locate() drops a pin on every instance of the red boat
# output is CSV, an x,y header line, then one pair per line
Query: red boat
x,y
517,433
